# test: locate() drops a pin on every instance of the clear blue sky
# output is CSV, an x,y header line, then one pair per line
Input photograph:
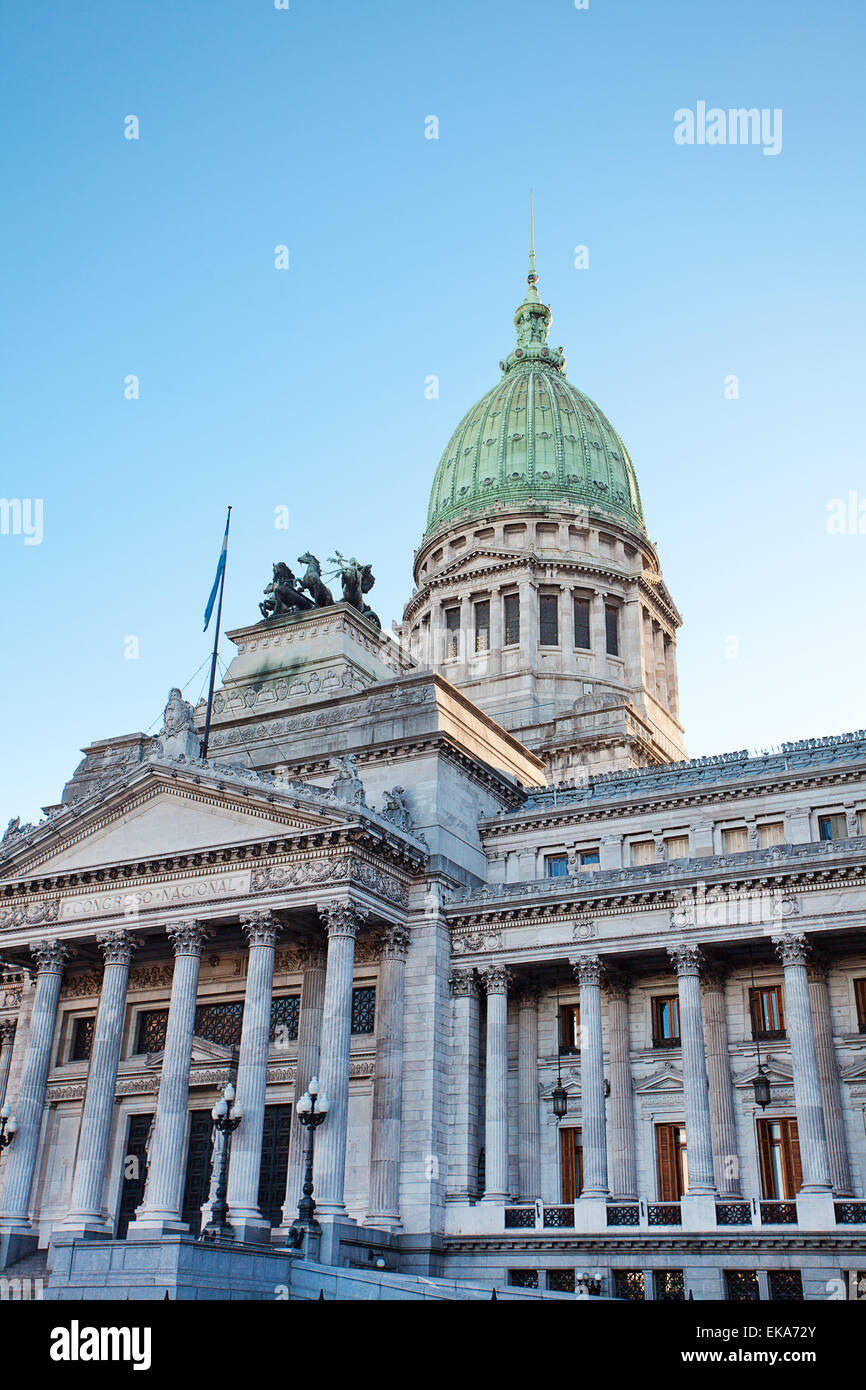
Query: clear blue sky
x,y
306,387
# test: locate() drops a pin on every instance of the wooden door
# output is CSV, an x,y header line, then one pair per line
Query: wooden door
x,y
571,1157
670,1151
779,1153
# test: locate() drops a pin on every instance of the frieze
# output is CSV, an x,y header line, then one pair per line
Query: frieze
x,y
469,943
30,914
299,875
129,904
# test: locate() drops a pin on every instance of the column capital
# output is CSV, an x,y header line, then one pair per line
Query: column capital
x,y
187,938
260,928
7,1029
116,947
527,993
793,948
587,970
714,976
463,983
617,984
817,967
50,956
311,955
342,918
496,978
394,942
686,957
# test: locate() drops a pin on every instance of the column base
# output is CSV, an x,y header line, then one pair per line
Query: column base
x,y
590,1214
14,1245
385,1222
84,1230
250,1230
157,1228
815,1211
698,1211
500,1198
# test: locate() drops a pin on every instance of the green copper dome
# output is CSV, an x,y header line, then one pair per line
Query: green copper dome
x,y
534,438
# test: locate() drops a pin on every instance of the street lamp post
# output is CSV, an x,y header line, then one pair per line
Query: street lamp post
x,y
226,1117
8,1126
311,1110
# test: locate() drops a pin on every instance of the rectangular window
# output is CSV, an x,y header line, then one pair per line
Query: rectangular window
x,y
677,847
779,1154
560,1280
364,1009
581,624
556,865
220,1023
569,1028
629,1283
82,1039
771,834
151,1030
571,1153
765,1003
548,620
786,1285
832,828
741,1286
611,629
523,1278
669,1285
673,1164
482,626
860,1002
666,1020
285,1017
735,840
587,860
643,852
452,633
511,604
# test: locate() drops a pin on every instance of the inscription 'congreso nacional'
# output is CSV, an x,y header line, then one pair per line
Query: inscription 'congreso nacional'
x,y
137,900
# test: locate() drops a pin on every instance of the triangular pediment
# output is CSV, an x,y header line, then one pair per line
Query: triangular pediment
x,y
157,814
856,1072
203,1052
667,1079
777,1071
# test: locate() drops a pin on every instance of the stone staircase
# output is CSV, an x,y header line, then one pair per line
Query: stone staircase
x,y
25,1280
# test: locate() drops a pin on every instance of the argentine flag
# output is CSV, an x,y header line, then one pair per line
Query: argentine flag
x,y
221,564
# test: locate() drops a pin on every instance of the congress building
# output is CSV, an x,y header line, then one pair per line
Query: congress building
x,y
589,1016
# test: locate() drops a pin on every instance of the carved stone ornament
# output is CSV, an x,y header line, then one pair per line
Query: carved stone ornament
x,y
792,948
7,1030
394,943
188,938
178,738
588,970
687,959
342,919
469,943
260,928
50,956
527,994
463,983
714,977
31,915
584,929
617,985
496,978
311,955
116,947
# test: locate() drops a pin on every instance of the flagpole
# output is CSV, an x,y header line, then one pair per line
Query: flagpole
x,y
216,639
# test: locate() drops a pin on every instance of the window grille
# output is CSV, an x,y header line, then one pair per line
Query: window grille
x,y
151,1030
741,1285
82,1039
285,1016
452,632
482,627
629,1283
786,1285
523,1278
548,620
512,619
364,1009
611,629
669,1285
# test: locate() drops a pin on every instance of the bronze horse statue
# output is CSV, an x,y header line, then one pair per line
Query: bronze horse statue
x,y
312,581
282,594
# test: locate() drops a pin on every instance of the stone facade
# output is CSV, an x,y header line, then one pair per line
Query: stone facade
x,y
374,881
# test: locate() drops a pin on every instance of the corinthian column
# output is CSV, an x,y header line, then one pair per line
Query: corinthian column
x,y
342,922
261,930
384,1200
159,1213
528,1117
7,1042
86,1216
793,951
463,1155
621,1144
312,960
19,1160
828,1078
588,970
723,1123
687,962
496,980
